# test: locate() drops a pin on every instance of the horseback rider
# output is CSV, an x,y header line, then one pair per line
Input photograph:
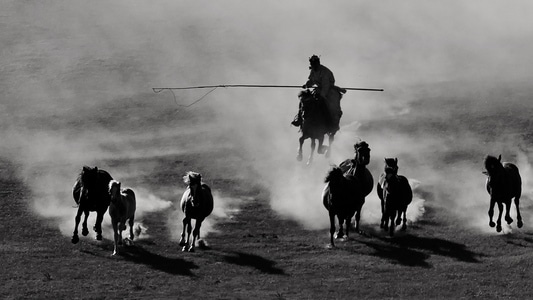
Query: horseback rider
x,y
325,90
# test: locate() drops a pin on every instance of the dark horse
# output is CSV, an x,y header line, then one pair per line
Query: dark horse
x,y
503,184
315,125
91,194
196,203
395,194
346,189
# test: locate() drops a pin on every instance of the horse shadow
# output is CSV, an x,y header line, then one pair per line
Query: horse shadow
x,y
249,260
436,246
401,255
138,254
174,266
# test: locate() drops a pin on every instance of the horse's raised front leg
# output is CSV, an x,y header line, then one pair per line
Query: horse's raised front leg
x,y
491,212
75,239
518,216
301,142
499,221
98,225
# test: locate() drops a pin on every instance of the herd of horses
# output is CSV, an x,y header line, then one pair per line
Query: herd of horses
x,y
96,191
348,184
346,187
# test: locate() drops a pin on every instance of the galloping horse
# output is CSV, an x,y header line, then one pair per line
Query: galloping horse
x,y
90,193
503,184
395,194
121,209
196,203
346,189
316,123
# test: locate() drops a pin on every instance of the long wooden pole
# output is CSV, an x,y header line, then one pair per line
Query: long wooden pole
x,y
159,89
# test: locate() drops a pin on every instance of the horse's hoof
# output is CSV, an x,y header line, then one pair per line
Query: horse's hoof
x,y
404,228
114,253
184,249
299,157
191,249
492,224
98,237
85,231
498,228
509,221
182,242
330,246
75,239
520,224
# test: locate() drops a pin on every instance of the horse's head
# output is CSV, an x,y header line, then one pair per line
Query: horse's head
x,y
88,177
391,188
307,99
114,190
493,165
391,166
362,153
194,182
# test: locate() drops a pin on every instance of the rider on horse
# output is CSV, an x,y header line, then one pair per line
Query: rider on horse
x,y
325,91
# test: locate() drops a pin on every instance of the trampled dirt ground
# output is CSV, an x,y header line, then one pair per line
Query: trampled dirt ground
x,y
253,252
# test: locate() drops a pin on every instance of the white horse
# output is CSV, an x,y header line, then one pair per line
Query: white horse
x,y
121,209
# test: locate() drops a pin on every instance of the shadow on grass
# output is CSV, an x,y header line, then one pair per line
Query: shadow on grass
x,y
139,255
175,266
436,246
400,255
250,260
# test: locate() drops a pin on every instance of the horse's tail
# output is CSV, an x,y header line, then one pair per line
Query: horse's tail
x,y
208,202
131,201
407,192
76,189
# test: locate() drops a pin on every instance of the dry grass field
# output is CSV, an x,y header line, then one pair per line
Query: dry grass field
x,y
253,251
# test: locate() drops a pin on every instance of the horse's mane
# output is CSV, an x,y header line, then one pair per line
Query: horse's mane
x,y
113,183
334,173
305,93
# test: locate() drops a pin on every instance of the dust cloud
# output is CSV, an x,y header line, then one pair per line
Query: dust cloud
x,y
76,83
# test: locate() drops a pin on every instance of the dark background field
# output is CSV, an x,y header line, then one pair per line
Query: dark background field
x,y
75,89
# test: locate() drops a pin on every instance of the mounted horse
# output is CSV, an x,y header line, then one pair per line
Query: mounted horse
x,y
316,123
395,194
121,210
503,184
91,194
346,189
196,203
